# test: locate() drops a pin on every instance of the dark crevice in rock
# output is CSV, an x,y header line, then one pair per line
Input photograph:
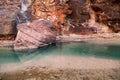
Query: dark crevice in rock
x,y
96,9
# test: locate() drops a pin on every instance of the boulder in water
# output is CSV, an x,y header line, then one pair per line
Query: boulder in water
x,y
37,34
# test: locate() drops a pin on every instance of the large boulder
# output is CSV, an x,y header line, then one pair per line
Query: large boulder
x,y
37,34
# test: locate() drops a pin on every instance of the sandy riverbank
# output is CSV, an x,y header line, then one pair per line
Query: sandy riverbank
x,y
62,68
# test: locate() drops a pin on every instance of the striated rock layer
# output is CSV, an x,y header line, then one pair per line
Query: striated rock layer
x,y
37,34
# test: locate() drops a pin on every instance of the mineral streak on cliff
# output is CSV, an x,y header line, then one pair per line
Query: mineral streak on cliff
x,y
24,7
23,16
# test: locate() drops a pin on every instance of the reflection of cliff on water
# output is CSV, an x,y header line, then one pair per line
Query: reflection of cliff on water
x,y
107,51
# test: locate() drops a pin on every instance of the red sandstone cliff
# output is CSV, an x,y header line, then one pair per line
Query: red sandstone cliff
x,y
69,16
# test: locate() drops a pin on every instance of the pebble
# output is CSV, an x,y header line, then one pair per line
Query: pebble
x,y
23,72
30,74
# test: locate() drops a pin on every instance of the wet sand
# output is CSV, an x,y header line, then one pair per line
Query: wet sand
x,y
62,68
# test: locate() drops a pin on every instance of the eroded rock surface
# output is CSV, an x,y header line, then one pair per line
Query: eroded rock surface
x,y
69,16
54,10
108,13
37,34
8,13
94,16
73,16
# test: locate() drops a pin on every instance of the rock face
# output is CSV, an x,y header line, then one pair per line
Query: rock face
x,y
77,16
8,13
94,16
68,16
54,10
108,13
37,34
80,14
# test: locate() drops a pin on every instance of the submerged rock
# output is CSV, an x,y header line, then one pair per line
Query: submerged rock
x,y
37,34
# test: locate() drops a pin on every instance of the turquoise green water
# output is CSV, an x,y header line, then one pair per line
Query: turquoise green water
x,y
107,51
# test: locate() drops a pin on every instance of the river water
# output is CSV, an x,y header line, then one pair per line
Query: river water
x,y
84,49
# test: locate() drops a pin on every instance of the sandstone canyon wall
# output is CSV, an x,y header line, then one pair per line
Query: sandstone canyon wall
x,y
8,14
95,16
69,16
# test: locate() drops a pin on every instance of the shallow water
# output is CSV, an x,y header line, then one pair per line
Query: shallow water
x,y
105,51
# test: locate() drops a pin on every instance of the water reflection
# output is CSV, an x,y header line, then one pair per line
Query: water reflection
x,y
108,51
8,56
